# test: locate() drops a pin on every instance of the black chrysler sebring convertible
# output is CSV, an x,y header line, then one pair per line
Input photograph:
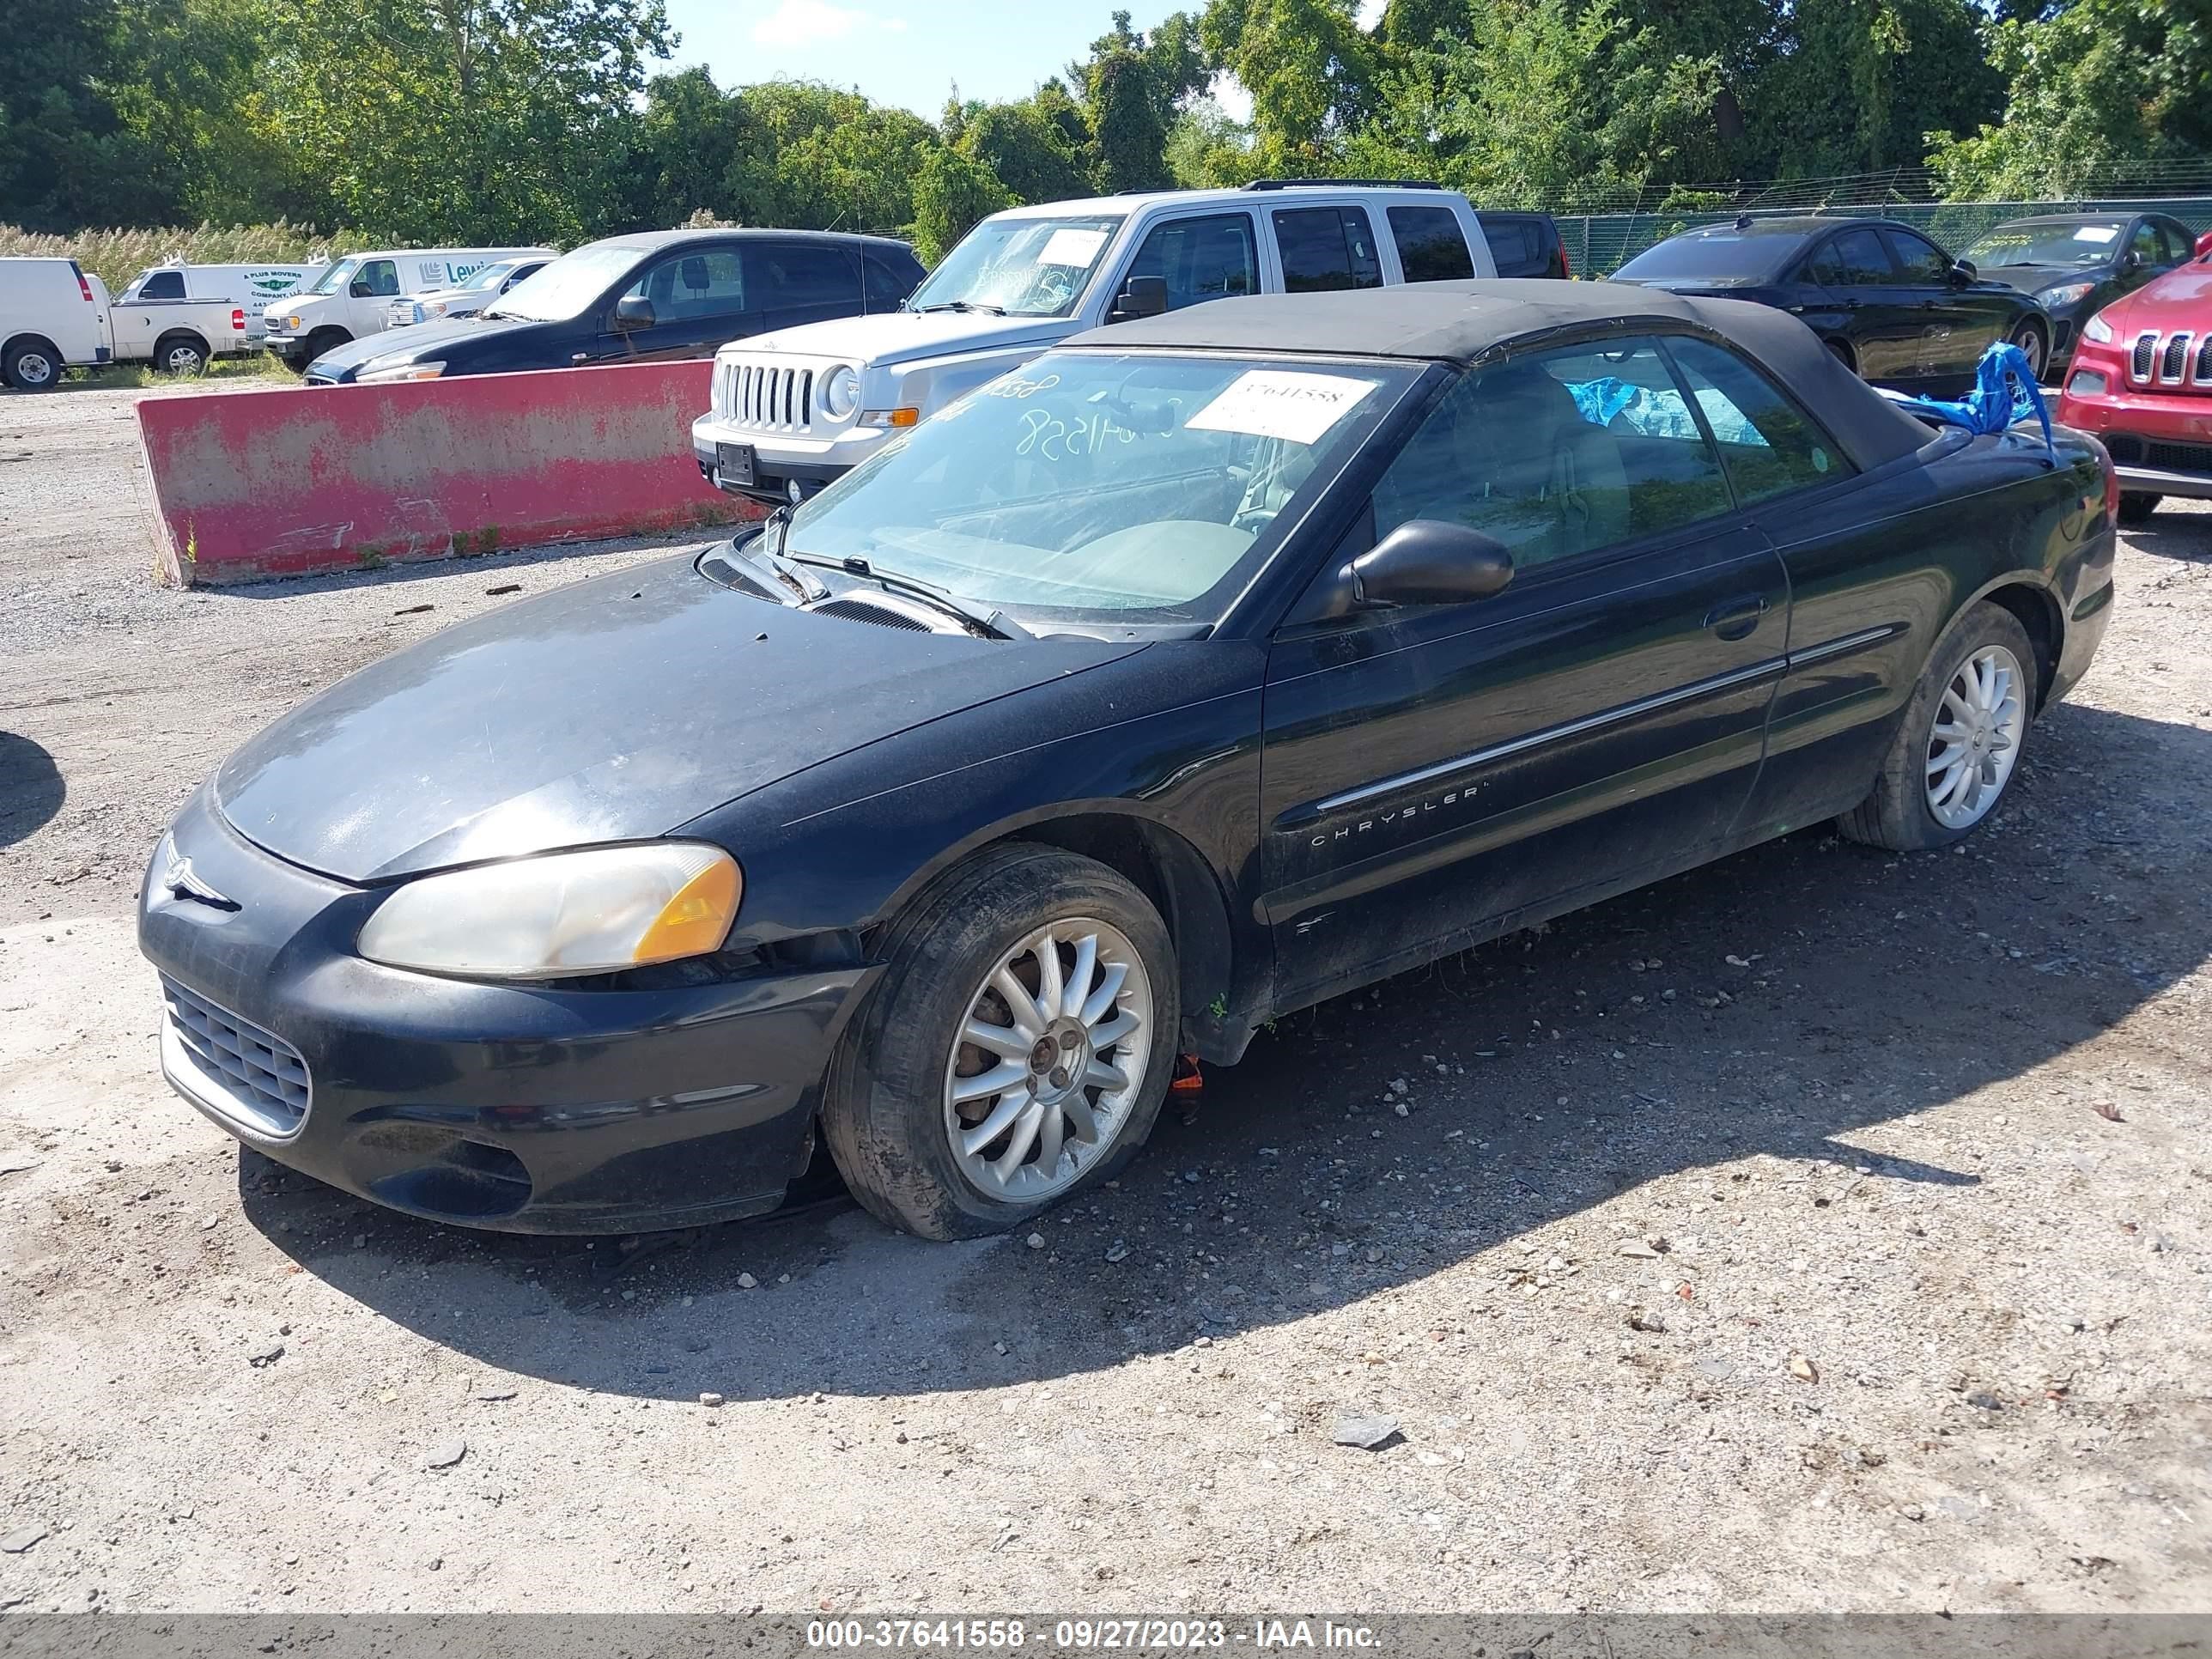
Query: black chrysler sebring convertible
x,y
1204,668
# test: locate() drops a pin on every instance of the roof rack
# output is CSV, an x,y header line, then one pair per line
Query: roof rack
x,y
1339,183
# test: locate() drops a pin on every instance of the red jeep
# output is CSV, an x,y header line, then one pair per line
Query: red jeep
x,y
2142,380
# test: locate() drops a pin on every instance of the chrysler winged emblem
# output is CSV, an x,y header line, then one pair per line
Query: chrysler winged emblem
x,y
179,882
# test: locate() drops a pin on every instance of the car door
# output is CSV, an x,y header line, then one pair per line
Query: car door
x,y
699,299
795,283
1860,280
1432,773
1957,322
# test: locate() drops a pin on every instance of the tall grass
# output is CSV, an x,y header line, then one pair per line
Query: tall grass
x,y
120,255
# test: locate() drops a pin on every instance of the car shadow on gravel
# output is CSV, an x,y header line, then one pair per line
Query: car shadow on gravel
x,y
1777,1003
2169,535
31,788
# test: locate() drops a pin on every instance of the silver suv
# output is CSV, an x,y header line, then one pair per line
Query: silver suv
x,y
795,409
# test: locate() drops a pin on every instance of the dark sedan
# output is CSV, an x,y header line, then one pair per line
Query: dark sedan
x,y
1887,301
1203,668
641,297
2074,264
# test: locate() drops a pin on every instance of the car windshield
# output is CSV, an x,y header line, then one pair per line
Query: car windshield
x,y
1737,256
1102,489
491,277
2048,245
334,276
1023,267
567,287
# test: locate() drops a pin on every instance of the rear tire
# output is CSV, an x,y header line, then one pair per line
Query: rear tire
x,y
180,353
1959,745
2135,509
31,365
922,1134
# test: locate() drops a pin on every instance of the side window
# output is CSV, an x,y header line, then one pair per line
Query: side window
x,y
1511,245
1920,262
706,283
381,276
1326,247
1536,453
1431,247
1769,445
163,285
1862,260
1214,258
884,283
2148,243
799,274
1826,267
2180,245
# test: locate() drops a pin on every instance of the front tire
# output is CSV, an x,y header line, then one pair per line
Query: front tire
x,y
1961,741
2028,336
32,366
321,341
1016,1051
2135,508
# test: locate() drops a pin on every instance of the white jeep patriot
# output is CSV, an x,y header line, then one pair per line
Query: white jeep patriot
x,y
795,409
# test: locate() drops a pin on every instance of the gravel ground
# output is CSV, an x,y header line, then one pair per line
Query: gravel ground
x,y
1821,1229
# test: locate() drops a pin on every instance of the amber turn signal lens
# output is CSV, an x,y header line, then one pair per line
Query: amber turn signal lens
x,y
697,920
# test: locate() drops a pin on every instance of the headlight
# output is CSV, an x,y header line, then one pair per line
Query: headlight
x,y
840,393
592,912
405,372
2099,330
436,308
275,320
2066,295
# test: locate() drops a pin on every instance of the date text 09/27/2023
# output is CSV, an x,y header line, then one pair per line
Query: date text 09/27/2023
x,y
1087,1635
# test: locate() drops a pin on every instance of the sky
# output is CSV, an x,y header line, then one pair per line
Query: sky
x,y
900,51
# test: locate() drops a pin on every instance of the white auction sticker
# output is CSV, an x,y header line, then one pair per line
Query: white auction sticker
x,y
2097,233
1274,403
1072,248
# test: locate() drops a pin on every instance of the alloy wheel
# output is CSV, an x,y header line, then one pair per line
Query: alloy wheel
x,y
1049,1060
1975,740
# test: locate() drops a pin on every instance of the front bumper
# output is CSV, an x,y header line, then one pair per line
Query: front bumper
x,y
522,1108
779,458
2160,441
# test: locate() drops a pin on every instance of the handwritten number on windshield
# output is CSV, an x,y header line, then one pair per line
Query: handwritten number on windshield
x,y
1051,439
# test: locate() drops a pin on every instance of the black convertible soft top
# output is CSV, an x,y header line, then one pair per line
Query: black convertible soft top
x,y
1461,322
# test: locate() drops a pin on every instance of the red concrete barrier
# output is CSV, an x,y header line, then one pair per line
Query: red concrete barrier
x,y
298,479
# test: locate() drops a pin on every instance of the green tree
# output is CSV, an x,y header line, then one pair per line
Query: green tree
x,y
951,191
1312,72
818,157
2098,83
686,143
68,159
1025,149
480,120
1208,150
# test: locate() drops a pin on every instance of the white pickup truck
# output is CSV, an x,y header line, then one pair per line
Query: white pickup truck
x,y
793,410
180,317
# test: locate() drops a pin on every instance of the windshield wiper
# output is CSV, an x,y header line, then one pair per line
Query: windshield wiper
x,y
995,623
963,304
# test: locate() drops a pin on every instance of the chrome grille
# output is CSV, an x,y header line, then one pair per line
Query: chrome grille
x,y
258,1079
765,395
2145,354
2173,367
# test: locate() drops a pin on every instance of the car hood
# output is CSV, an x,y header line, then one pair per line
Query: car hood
x,y
2180,298
613,710
891,338
420,343
2033,279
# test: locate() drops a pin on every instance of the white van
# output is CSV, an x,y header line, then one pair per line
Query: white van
x,y
54,315
353,296
795,409
177,317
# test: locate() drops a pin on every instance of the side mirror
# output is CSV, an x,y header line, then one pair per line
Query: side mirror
x,y
1964,273
2132,259
632,312
1422,562
1141,296
2204,245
